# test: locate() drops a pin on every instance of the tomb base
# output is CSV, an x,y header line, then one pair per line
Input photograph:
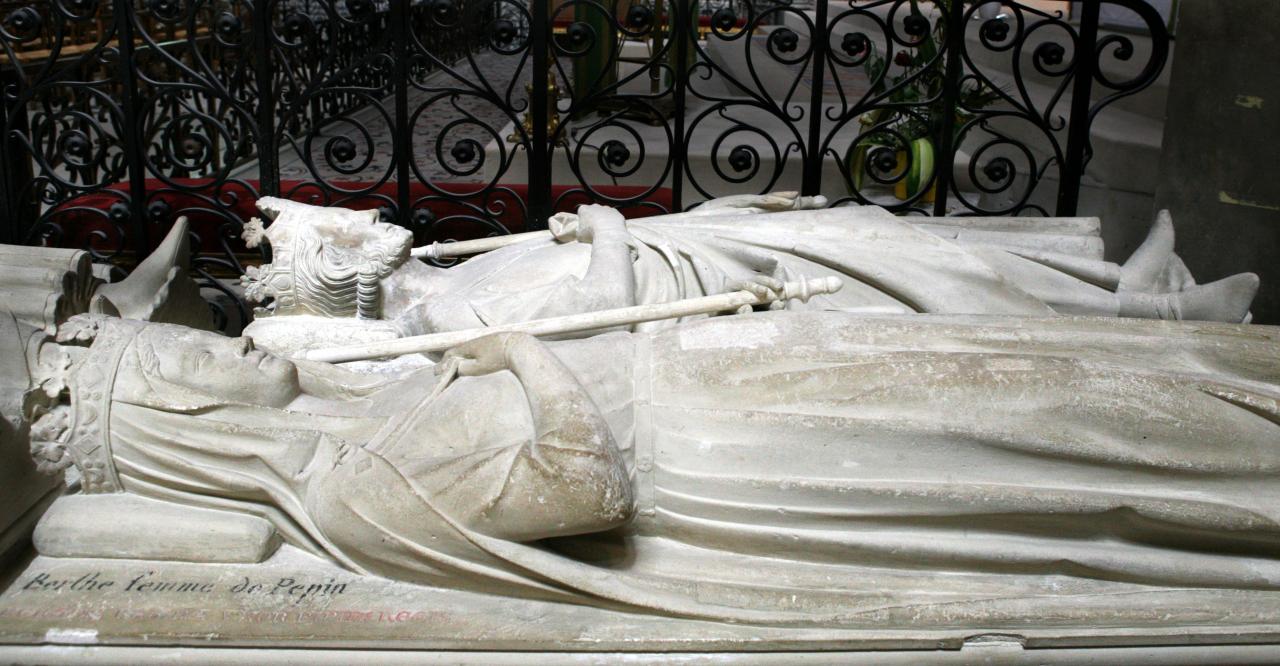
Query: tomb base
x,y
293,605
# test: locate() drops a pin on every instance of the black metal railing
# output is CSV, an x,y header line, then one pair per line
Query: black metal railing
x,y
471,117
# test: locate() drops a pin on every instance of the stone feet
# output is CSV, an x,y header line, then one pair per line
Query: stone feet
x,y
1145,266
1226,300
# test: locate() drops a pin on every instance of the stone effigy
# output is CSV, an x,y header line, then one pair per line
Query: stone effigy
x,y
356,273
794,480
780,469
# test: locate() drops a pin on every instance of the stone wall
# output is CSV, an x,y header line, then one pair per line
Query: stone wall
x,y
1219,173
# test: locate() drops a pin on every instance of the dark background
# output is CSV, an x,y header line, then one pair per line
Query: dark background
x,y
1219,175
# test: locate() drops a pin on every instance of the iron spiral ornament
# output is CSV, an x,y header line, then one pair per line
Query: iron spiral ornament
x,y
427,111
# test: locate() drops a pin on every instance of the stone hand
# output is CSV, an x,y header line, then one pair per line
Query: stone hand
x,y
780,201
589,224
761,203
482,356
762,286
564,227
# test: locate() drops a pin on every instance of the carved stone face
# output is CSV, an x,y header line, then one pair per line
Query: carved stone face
x,y
348,231
318,254
225,368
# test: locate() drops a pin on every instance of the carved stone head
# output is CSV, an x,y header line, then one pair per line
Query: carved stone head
x,y
325,261
163,366
174,365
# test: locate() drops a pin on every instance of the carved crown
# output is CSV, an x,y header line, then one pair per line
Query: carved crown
x,y
72,428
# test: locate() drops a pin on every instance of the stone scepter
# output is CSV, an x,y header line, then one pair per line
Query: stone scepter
x,y
588,321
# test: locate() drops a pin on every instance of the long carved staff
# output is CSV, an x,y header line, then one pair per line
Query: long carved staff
x,y
1072,226
589,321
478,246
467,248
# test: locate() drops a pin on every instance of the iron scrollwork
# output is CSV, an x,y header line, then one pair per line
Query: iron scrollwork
x,y
1008,165
121,115
615,61
754,115
463,163
63,124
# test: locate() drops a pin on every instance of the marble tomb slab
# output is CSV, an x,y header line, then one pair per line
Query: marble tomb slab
x,y
295,600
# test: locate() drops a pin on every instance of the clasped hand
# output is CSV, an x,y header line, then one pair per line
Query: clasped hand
x,y
481,356
590,222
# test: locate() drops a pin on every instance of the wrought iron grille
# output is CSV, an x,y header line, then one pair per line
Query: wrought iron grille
x,y
472,117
